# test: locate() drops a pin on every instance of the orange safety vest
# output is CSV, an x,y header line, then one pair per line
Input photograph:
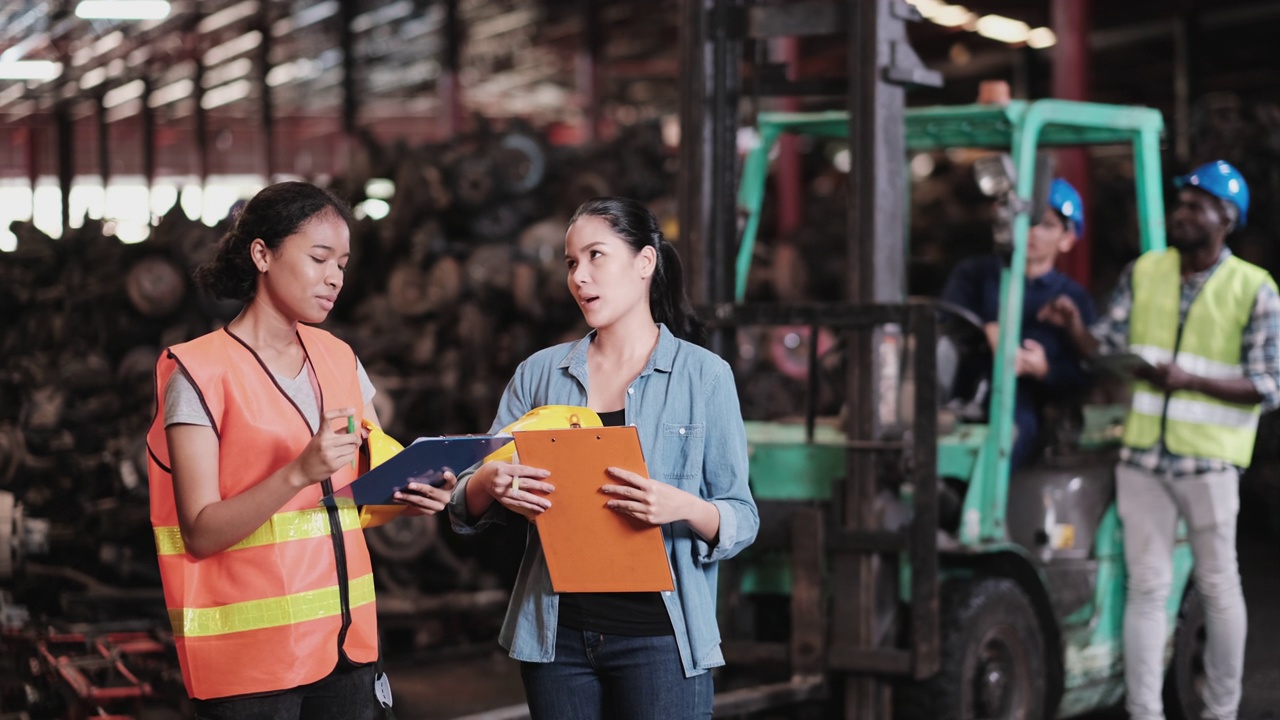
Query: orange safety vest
x,y
273,611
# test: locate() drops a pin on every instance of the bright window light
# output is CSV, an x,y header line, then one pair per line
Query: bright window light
x,y
164,197
192,201
88,199
15,204
123,9
29,70
1004,29
130,232
222,191
47,208
129,207
1042,37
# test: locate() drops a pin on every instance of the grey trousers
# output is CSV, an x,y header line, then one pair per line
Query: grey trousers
x,y
1149,507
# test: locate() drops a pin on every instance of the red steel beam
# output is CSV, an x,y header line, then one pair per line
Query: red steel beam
x,y
1072,81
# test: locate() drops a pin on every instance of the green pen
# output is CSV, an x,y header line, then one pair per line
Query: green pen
x,y
351,429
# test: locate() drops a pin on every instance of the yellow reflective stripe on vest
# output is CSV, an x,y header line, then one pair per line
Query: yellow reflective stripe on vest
x,y
1209,413
1192,363
1207,368
1148,403
268,612
281,527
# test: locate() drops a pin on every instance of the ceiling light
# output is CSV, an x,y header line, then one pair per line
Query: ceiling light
x,y
225,94
1004,29
124,93
953,16
93,78
13,94
170,93
227,50
1042,37
227,16
123,9
29,70
223,74
928,8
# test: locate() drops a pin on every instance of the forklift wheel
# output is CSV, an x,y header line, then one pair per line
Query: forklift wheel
x,y
993,664
1184,682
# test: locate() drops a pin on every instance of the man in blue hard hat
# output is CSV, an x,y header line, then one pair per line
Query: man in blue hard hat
x,y
1209,325
1047,364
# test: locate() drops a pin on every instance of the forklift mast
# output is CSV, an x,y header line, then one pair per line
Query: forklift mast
x,y
881,64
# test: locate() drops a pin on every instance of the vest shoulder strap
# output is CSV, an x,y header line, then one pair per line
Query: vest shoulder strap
x,y
1155,263
1251,276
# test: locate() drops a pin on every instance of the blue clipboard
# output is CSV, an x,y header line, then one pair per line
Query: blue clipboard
x,y
425,461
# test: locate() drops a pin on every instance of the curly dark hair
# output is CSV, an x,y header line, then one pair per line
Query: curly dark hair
x,y
275,213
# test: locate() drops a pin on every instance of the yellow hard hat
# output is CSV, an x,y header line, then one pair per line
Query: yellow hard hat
x,y
379,446
546,417
377,449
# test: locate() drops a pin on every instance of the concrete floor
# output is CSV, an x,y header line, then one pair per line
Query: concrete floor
x,y
476,681
453,689
1262,595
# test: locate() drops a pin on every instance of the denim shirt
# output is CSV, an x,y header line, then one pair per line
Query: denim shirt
x,y
685,406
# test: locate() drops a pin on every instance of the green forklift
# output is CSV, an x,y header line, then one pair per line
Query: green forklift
x,y
1009,602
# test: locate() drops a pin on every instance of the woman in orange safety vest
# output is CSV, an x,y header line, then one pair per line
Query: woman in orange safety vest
x,y
270,594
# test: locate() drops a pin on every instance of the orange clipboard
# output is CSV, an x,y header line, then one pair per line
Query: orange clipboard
x,y
590,548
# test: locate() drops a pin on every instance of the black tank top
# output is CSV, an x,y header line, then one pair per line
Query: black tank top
x,y
634,614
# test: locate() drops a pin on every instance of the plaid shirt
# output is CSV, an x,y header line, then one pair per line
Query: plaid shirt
x,y
1259,348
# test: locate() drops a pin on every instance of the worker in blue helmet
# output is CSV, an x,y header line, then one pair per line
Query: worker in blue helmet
x,y
1065,200
1048,365
1208,324
1223,182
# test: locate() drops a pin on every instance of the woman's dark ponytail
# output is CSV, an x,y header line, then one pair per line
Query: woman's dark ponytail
x,y
668,300
637,226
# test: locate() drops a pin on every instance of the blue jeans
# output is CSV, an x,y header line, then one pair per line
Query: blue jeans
x,y
345,694
597,676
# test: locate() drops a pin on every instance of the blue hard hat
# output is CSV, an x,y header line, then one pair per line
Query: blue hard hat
x,y
1219,179
1064,198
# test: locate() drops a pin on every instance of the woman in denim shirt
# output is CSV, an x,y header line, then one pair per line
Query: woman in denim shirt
x,y
626,655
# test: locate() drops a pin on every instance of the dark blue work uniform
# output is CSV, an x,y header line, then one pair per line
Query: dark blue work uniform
x,y
975,284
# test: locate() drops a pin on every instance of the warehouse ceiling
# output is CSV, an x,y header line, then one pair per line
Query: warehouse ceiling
x,y
1230,45
517,57
524,58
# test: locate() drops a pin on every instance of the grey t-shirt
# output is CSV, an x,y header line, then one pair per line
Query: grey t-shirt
x,y
182,402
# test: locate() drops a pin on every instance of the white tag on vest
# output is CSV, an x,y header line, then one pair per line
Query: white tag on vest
x,y
382,688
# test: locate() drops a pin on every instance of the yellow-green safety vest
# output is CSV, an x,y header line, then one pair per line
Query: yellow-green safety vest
x,y
1195,424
